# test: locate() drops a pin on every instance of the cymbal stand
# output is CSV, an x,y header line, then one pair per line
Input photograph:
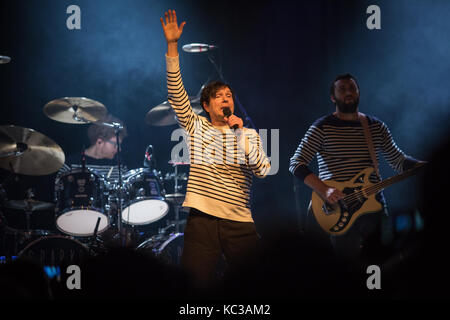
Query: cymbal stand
x,y
3,195
28,211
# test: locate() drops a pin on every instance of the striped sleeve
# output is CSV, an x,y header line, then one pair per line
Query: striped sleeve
x,y
178,97
256,158
308,148
64,169
396,158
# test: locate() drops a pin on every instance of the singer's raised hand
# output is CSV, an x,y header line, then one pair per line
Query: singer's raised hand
x,y
172,31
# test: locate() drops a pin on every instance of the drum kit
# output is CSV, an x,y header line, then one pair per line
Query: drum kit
x,y
91,211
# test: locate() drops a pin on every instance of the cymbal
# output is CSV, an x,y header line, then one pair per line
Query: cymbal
x,y
6,140
179,163
29,152
75,110
179,176
175,195
4,59
163,114
28,205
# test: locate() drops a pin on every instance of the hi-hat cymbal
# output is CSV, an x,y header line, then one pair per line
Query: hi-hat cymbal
x,y
28,205
163,114
30,152
178,163
176,195
180,176
75,110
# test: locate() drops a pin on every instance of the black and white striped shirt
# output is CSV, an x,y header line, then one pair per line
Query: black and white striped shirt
x,y
342,151
221,168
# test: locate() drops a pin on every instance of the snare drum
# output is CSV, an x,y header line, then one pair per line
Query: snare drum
x,y
145,201
81,197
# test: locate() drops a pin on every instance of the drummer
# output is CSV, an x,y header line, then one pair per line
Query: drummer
x,y
103,145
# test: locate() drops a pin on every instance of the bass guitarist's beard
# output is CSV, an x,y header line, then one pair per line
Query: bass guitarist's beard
x,y
345,107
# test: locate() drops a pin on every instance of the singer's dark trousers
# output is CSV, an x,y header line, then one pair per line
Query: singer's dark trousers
x,y
207,238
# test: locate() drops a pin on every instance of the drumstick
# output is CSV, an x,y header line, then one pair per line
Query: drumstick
x,y
109,173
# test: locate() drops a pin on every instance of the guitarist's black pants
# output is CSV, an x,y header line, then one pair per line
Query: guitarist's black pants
x,y
360,245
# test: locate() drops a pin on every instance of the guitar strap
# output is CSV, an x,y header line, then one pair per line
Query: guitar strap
x,y
363,119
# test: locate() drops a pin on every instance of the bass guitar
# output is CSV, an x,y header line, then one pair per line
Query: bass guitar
x,y
337,219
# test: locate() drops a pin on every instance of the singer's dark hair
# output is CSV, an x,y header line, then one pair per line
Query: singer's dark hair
x,y
210,90
340,77
105,133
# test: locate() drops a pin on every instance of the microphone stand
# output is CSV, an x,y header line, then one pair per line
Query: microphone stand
x,y
117,128
241,108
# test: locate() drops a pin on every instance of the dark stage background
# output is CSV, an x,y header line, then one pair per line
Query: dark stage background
x,y
279,56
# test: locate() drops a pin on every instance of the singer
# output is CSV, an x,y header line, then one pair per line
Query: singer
x,y
218,192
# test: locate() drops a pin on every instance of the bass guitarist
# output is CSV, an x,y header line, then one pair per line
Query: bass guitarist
x,y
342,147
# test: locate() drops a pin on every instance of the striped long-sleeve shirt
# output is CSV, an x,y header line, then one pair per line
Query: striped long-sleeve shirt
x,y
222,165
342,151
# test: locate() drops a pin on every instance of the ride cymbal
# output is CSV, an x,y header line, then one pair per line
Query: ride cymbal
x,y
75,110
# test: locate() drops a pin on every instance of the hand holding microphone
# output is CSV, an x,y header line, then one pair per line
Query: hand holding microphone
x,y
232,120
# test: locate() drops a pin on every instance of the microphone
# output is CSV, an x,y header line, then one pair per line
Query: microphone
x,y
198,47
227,113
148,157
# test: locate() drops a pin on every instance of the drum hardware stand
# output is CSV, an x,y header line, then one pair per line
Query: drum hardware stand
x,y
117,128
163,230
176,199
3,196
176,205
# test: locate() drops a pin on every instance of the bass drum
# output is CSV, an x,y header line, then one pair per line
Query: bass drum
x,y
166,248
145,200
81,197
55,251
